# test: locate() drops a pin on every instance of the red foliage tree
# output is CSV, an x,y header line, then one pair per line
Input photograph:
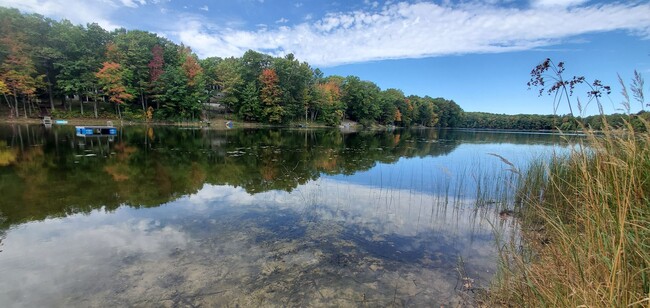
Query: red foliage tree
x,y
156,64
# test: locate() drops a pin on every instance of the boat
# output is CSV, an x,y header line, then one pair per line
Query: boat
x,y
95,131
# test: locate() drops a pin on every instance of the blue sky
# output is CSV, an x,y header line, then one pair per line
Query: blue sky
x,y
477,52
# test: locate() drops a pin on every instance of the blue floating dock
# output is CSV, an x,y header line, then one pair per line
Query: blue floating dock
x,y
95,131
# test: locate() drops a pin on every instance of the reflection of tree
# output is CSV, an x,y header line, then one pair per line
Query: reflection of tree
x,y
2,230
475,136
147,166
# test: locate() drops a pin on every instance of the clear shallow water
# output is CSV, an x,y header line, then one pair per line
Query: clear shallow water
x,y
171,217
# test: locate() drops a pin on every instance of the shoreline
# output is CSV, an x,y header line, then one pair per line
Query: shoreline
x,y
215,123
218,123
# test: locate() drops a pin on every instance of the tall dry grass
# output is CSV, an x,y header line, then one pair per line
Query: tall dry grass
x,y
585,220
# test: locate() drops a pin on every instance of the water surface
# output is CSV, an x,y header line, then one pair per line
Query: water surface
x,y
163,216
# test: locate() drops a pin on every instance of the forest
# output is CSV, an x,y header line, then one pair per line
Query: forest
x,y
56,68
139,75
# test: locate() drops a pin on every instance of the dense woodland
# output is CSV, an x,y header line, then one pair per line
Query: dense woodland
x,y
141,75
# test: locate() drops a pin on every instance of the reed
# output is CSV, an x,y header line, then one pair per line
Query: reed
x,y
585,220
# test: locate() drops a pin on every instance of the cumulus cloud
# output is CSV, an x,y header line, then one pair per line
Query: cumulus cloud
x,y
412,30
133,3
84,11
392,31
561,3
204,8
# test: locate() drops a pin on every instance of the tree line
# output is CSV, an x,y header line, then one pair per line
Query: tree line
x,y
552,122
43,63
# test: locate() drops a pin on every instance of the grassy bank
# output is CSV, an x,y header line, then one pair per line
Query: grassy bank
x,y
585,220
586,228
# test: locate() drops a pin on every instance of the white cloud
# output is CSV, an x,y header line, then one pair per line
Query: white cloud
x,y
398,30
204,8
556,3
133,3
84,11
298,4
405,30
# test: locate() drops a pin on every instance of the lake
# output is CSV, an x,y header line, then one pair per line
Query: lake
x,y
168,216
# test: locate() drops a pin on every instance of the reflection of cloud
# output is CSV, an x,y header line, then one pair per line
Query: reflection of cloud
x,y
380,213
90,256
383,210
74,252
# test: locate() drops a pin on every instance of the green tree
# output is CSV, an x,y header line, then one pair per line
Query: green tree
x,y
361,99
295,80
390,104
230,82
135,47
327,104
250,108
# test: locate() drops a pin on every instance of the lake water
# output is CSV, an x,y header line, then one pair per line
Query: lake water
x,y
166,216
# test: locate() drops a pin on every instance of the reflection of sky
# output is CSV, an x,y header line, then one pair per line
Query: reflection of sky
x,y
462,167
61,261
47,260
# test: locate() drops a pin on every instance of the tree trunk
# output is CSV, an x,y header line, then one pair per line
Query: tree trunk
x,y
16,103
142,101
11,109
119,112
81,104
7,100
24,107
49,90
95,102
31,106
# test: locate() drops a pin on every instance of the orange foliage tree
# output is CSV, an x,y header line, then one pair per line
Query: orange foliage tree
x,y
191,67
17,72
111,78
271,96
